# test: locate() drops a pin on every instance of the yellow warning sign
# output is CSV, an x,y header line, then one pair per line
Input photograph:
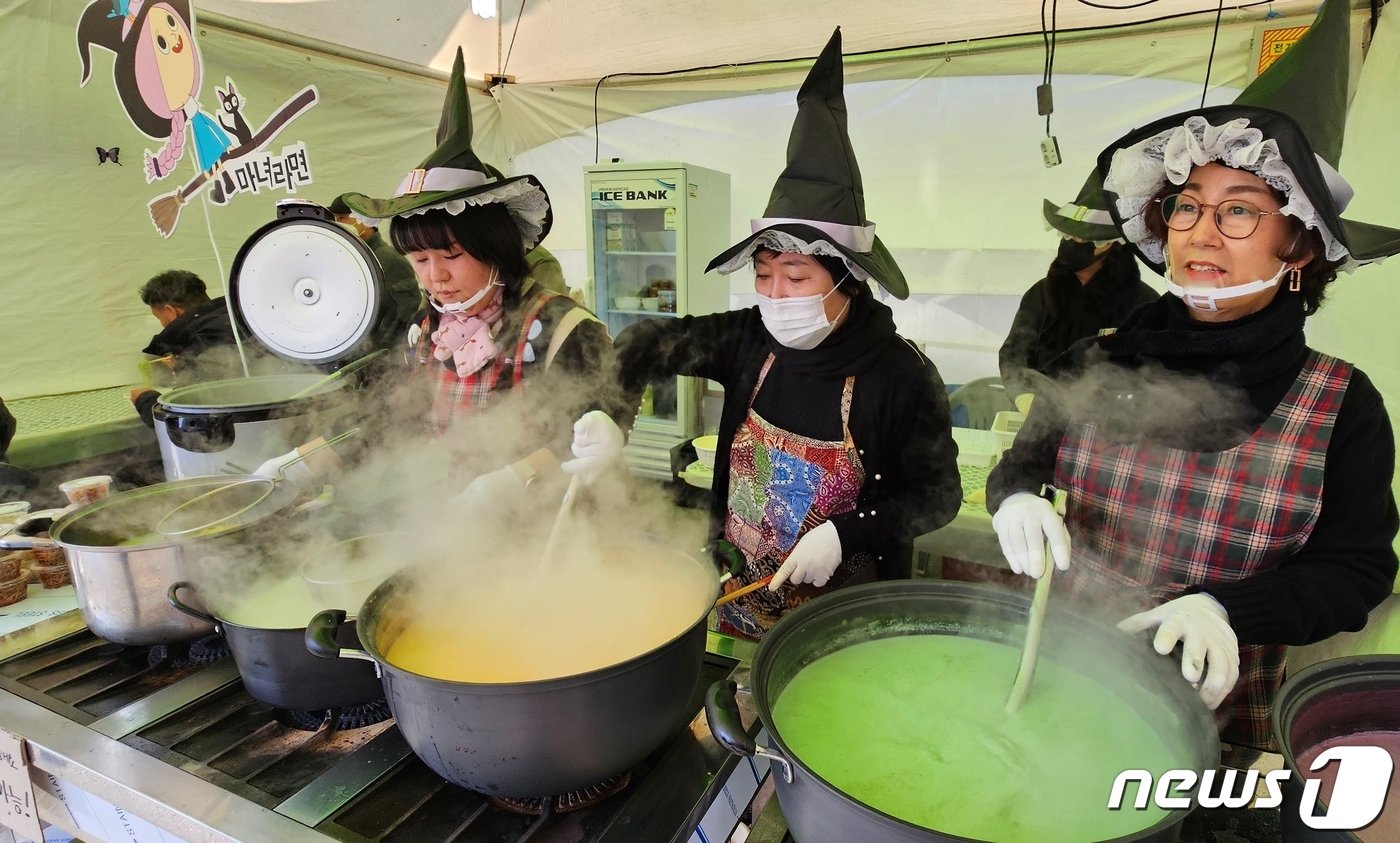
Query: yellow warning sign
x,y
1274,43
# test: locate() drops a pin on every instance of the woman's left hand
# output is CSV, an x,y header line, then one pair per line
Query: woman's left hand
x,y
813,559
1210,653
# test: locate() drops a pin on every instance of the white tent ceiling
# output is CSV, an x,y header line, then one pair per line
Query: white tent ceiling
x,y
577,40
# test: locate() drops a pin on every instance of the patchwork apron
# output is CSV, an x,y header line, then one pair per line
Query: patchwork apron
x,y
1150,521
780,486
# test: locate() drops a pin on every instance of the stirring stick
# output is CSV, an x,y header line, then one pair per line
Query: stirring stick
x,y
564,506
740,592
1025,673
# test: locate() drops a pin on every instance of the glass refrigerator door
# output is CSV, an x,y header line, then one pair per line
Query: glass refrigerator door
x,y
635,222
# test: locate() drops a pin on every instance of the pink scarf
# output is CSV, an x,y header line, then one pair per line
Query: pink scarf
x,y
467,339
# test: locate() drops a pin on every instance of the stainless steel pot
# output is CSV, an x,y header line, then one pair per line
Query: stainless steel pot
x,y
525,739
277,669
122,568
818,811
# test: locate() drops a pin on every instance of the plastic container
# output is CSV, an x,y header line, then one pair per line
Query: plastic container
x,y
651,304
86,490
705,447
627,302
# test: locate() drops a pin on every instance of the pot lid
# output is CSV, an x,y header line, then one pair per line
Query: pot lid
x,y
308,289
234,395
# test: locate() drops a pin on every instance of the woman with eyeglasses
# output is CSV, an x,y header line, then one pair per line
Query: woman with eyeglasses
x,y
1227,481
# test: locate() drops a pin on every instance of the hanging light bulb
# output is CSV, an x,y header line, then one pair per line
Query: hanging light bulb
x,y
484,8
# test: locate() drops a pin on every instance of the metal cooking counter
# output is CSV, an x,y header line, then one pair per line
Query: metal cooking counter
x,y
183,747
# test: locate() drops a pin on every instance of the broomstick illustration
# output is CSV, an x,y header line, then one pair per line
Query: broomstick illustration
x,y
165,209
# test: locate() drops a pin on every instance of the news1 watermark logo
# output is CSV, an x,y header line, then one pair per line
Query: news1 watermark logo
x,y
1358,793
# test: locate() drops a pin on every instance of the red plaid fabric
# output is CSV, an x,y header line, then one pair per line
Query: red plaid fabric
x,y
457,395
1148,521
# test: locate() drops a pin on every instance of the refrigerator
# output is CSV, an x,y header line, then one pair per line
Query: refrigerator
x,y
652,228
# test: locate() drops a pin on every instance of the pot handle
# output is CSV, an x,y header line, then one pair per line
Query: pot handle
x,y
173,596
722,715
320,638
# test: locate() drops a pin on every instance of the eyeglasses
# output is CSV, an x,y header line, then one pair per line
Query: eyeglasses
x,y
1236,218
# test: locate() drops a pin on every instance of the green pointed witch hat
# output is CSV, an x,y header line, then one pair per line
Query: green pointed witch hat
x,y
1286,127
1087,216
818,205
453,177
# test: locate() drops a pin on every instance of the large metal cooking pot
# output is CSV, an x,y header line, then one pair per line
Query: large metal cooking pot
x,y
277,669
237,424
525,739
122,568
817,811
1329,700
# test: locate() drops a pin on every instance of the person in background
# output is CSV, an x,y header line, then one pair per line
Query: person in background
x,y
405,296
8,426
1230,481
196,338
835,443
490,331
1091,287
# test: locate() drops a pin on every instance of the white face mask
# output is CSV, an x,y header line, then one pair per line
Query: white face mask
x,y
458,307
1209,298
799,323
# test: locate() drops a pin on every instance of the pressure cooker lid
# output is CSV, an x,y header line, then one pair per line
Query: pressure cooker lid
x,y
308,289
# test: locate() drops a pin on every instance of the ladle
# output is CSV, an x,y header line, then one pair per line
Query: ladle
x,y
551,544
240,496
740,592
1021,687
347,369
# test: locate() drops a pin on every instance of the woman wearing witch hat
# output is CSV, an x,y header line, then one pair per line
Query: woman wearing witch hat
x,y
1092,286
835,446
1231,479
491,330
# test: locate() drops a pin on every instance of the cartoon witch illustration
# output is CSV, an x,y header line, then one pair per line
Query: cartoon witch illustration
x,y
157,74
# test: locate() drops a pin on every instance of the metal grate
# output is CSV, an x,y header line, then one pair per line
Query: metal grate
x,y
86,678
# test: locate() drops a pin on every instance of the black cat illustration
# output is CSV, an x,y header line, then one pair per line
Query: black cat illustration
x,y
232,104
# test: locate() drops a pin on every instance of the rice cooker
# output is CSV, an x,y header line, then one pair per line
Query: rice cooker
x,y
310,292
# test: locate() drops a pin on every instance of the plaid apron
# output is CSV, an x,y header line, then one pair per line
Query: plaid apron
x,y
780,486
1148,521
455,395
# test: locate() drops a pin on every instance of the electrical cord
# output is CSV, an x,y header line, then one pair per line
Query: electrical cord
x,y
1205,86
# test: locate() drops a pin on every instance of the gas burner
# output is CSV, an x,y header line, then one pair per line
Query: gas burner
x,y
564,802
201,651
350,717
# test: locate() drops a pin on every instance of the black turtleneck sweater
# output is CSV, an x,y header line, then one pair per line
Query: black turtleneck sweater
x,y
899,412
1058,311
1206,387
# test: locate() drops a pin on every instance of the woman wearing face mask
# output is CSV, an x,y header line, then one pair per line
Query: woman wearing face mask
x,y
489,331
835,448
1092,286
1230,481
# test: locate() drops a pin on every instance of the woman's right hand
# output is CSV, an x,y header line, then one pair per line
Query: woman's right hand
x,y
1025,523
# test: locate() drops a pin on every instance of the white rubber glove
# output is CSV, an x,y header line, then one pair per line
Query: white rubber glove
x,y
813,558
1209,645
1024,523
297,473
597,444
500,493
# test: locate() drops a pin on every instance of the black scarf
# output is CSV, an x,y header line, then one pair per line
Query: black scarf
x,y
851,349
1189,384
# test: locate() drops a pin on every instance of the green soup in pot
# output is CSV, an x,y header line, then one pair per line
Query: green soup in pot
x,y
915,726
